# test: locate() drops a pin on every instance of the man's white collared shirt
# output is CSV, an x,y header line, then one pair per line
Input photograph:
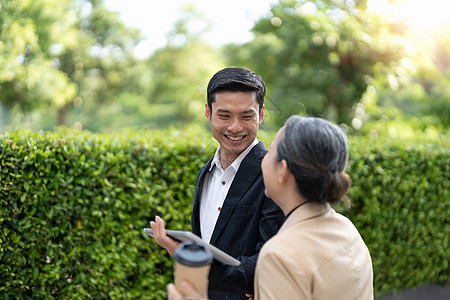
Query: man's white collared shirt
x,y
216,184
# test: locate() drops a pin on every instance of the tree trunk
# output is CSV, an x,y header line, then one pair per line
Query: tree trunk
x,y
62,115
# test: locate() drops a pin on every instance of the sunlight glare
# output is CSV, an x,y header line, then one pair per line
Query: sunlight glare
x,y
424,16
379,6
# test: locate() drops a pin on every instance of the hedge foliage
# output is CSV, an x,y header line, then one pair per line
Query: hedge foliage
x,y
73,206
401,206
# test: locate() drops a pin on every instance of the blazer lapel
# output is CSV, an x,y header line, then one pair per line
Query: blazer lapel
x,y
248,170
195,222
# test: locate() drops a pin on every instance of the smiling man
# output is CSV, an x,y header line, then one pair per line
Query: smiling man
x,y
230,209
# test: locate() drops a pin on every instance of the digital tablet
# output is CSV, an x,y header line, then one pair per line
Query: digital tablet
x,y
181,236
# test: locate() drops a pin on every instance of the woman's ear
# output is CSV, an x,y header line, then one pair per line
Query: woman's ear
x,y
284,170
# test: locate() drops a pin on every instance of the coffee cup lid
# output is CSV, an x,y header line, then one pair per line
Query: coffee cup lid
x,y
193,254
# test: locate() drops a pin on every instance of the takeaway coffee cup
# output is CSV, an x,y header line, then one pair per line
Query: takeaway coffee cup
x,y
192,263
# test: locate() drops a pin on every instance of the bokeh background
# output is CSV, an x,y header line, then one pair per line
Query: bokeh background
x,y
377,67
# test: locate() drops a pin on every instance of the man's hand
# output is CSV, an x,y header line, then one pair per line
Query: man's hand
x,y
161,238
189,292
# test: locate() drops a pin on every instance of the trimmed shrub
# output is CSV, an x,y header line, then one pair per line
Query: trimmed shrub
x,y
74,203
400,205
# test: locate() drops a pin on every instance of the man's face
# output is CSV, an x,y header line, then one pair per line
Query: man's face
x,y
235,119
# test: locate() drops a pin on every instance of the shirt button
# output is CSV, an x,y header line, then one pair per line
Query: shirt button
x,y
219,208
223,182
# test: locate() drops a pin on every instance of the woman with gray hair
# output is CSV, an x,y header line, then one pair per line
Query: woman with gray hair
x,y
317,253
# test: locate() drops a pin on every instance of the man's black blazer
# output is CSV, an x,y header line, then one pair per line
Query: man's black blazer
x,y
246,221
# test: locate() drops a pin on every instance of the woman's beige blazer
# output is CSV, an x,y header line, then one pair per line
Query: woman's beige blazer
x,y
317,254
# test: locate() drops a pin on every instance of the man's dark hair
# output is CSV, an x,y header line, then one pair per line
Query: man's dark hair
x,y
236,80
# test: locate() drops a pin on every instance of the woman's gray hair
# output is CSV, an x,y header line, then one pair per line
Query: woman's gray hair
x,y
316,152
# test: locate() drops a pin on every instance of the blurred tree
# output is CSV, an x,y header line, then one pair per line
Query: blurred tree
x,y
100,57
29,31
53,53
113,92
318,57
182,69
428,90
415,96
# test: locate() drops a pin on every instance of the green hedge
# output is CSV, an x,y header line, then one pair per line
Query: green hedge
x,y
73,206
401,206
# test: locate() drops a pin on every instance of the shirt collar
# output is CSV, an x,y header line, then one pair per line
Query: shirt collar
x,y
237,162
